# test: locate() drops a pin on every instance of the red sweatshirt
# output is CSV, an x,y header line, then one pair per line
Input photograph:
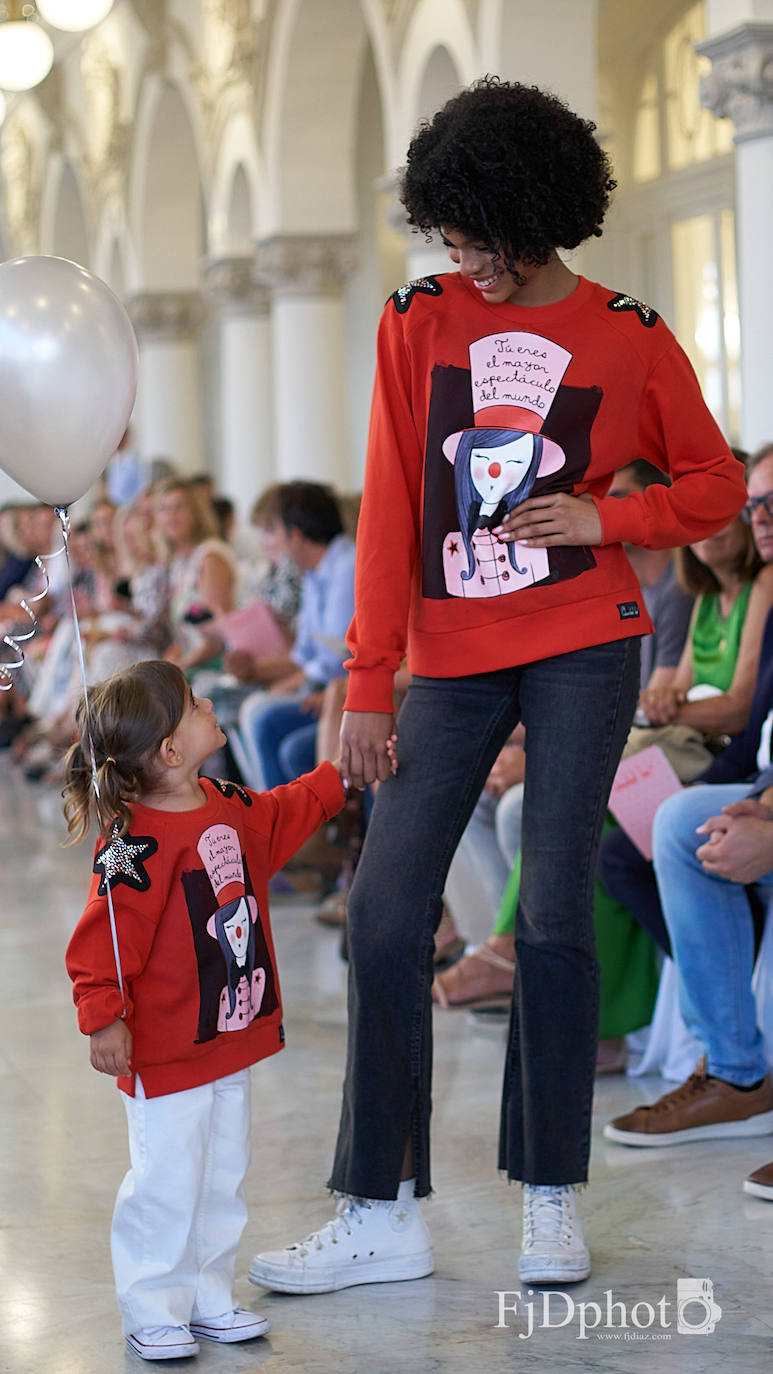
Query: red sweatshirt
x,y
191,903
476,407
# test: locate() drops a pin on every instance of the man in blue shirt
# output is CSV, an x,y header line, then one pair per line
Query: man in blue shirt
x,y
279,728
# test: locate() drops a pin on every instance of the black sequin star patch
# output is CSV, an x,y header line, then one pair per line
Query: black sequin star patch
x,y
232,789
122,860
422,286
646,314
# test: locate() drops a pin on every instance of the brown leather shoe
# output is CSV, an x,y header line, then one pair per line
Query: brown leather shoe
x,y
760,1183
701,1109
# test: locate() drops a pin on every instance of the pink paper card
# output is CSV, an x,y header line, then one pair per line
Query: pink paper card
x,y
641,783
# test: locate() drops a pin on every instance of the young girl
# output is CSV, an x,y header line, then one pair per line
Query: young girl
x,y
513,340
187,860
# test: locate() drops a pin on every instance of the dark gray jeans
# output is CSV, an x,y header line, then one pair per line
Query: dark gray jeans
x,y
577,709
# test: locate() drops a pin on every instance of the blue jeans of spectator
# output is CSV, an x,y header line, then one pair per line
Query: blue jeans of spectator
x,y
577,709
711,926
630,879
286,741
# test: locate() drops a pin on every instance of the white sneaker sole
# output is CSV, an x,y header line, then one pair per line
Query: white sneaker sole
x,y
281,1279
761,1124
229,1335
758,1189
541,1270
181,1351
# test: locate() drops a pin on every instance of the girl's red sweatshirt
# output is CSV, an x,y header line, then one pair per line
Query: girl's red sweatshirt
x,y
471,399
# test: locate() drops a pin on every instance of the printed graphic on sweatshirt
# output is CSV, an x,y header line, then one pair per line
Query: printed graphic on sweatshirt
x,y
507,429
232,789
646,314
236,981
422,286
122,860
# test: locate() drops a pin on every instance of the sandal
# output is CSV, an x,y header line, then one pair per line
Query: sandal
x,y
453,988
611,1056
449,945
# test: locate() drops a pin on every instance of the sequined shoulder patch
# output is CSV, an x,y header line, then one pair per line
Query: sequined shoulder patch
x,y
122,859
646,314
232,789
422,286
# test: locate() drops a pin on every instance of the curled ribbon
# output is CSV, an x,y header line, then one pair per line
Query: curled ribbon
x,y
15,641
7,669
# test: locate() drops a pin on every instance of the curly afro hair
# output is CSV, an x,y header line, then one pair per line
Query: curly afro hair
x,y
511,168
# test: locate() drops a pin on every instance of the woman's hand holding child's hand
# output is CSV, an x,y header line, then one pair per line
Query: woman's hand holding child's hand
x,y
111,1049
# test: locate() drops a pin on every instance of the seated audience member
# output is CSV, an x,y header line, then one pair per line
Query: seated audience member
x,y
491,842
16,559
253,641
202,568
703,889
256,639
141,629
626,874
279,736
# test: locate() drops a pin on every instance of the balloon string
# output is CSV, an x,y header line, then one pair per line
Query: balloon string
x,y
61,511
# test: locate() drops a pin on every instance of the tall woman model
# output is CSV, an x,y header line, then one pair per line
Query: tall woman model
x,y
507,394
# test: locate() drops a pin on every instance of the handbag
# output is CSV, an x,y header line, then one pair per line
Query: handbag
x,y
684,746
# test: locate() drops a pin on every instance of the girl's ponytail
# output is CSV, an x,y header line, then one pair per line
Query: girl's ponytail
x,y
128,718
77,793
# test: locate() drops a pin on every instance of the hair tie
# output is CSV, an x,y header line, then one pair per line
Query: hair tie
x,y
108,760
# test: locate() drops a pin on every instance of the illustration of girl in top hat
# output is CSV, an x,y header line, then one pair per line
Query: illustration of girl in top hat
x,y
514,378
233,926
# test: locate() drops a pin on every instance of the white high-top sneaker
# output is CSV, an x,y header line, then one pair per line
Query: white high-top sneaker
x,y
367,1241
554,1248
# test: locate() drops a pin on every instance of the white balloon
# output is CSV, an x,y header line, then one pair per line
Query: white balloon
x,y
68,376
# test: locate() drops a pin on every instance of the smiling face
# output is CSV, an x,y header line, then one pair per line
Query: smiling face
x,y
497,471
237,931
488,275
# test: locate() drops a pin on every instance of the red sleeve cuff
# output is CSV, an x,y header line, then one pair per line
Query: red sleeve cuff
x,y
623,519
99,1010
371,689
327,787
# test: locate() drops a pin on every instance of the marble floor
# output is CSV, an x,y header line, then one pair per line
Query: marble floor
x,y
652,1218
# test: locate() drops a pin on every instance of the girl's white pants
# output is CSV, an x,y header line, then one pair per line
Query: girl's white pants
x,y
180,1210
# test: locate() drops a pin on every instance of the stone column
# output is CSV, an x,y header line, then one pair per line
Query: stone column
x,y
245,410
740,87
305,275
168,415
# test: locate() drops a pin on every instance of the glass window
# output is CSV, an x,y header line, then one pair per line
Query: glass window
x,y
646,138
670,120
692,133
706,310
732,323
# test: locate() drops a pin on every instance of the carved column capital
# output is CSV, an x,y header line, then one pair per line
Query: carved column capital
x,y
170,315
306,264
740,83
231,285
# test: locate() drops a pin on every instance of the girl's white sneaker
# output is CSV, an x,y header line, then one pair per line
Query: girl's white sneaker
x,y
163,1343
554,1249
238,1325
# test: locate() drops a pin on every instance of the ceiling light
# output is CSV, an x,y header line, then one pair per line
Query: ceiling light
x,y
74,15
26,54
